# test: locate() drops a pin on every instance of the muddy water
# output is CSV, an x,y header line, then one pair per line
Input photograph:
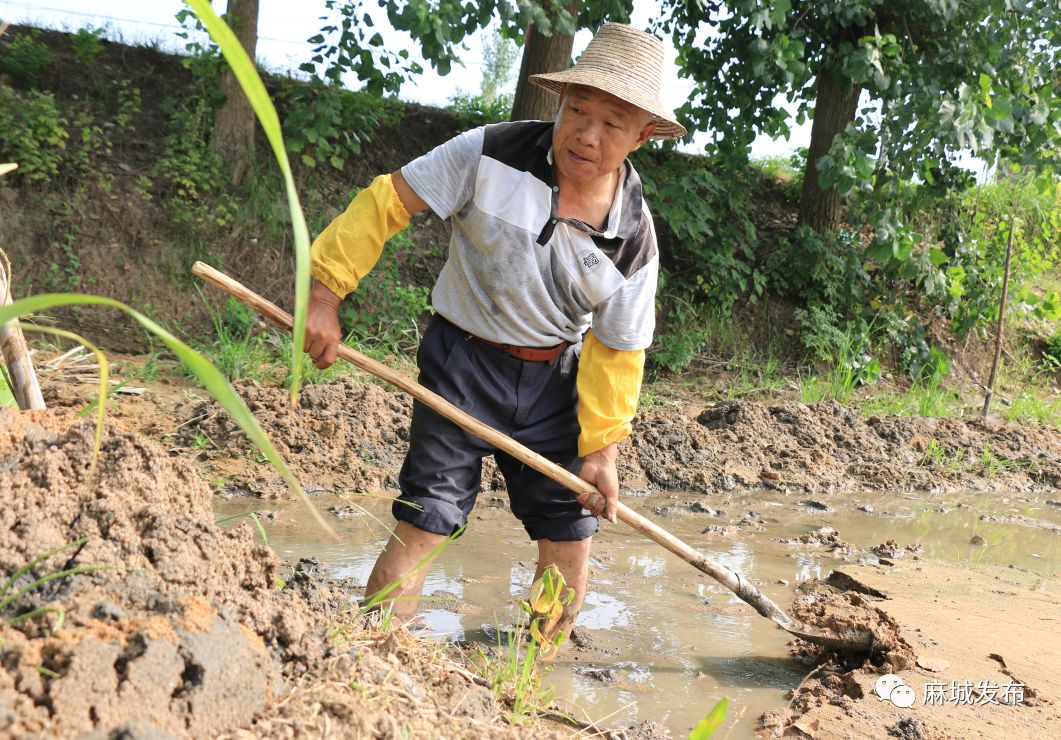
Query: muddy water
x,y
665,642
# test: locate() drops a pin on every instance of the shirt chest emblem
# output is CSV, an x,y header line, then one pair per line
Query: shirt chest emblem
x,y
589,261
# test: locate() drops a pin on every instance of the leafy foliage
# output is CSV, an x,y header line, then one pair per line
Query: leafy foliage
x,y
350,41
477,110
87,44
974,270
706,215
1052,352
24,58
327,124
937,79
32,133
191,174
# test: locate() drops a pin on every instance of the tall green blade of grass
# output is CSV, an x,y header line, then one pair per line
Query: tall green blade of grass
x,y
208,375
243,67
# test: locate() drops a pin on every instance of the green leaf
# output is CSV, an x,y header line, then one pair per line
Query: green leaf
x,y
880,251
706,727
252,85
1003,108
985,89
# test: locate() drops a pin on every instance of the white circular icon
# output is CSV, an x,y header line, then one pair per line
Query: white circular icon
x,y
890,687
903,696
886,684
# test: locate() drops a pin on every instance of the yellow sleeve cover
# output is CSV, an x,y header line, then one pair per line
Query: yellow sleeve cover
x,y
609,382
351,245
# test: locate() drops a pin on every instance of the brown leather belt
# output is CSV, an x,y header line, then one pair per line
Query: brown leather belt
x,y
529,354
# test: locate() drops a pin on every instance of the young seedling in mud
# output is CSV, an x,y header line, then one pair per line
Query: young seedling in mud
x,y
515,676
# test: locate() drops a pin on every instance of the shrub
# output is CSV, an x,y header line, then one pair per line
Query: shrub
x,y
326,124
1052,352
24,59
87,44
33,133
192,171
478,110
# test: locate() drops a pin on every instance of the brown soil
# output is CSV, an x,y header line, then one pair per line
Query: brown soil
x,y
151,637
351,436
188,632
990,628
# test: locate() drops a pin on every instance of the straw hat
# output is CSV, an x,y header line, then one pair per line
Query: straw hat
x,y
626,63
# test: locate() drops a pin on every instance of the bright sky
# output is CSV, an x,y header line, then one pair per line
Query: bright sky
x,y
284,26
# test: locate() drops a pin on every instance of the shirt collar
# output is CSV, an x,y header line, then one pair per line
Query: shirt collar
x,y
624,218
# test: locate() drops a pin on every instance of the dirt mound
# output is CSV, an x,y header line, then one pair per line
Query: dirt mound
x,y
348,435
827,447
343,436
131,613
166,616
844,612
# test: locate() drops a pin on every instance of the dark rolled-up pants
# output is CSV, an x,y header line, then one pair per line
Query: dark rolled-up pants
x,y
533,402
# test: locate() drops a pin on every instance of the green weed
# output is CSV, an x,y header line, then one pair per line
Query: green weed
x,y
514,673
87,44
33,132
1032,406
190,175
936,457
684,335
475,110
991,465
327,124
24,59
384,311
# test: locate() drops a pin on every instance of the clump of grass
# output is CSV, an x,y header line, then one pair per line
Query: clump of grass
x,y
1033,406
937,458
1031,401
925,398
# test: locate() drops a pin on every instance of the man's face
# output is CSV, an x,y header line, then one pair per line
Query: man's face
x,y
595,132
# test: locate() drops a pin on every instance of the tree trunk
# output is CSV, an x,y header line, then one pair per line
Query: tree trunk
x,y
834,108
541,54
234,125
1001,320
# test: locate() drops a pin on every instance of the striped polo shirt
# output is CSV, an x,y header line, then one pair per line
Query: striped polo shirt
x,y
517,273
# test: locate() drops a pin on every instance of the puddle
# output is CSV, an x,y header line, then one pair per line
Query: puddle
x,y
664,641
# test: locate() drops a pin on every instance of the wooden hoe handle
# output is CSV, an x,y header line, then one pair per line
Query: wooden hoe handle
x,y
733,581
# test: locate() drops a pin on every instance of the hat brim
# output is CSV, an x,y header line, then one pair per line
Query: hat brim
x,y
666,126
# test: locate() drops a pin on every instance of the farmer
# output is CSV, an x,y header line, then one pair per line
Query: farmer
x,y
550,234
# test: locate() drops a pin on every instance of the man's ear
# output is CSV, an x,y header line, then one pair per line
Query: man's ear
x,y
644,135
